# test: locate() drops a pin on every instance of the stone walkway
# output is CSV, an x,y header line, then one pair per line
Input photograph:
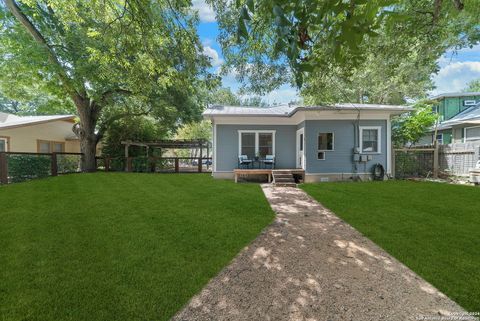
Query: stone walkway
x,y
310,265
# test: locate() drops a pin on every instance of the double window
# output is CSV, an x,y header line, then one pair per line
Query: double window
x,y
370,141
256,143
472,133
46,146
325,143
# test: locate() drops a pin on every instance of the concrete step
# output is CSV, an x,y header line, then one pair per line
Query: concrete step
x,y
284,180
285,184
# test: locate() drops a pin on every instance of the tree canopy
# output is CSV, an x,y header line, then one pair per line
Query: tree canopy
x,y
111,59
411,127
363,48
473,86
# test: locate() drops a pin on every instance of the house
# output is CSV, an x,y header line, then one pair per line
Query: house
x,y
463,127
449,106
38,134
336,142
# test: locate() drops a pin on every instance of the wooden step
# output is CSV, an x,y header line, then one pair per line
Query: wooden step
x,y
283,178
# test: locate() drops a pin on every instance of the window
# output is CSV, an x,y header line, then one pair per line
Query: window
x,y
301,143
469,102
45,146
472,133
440,139
3,144
325,141
370,139
321,156
256,143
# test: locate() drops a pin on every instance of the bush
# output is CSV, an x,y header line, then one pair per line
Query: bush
x,y
26,167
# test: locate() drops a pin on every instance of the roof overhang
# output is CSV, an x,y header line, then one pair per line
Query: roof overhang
x,y
25,123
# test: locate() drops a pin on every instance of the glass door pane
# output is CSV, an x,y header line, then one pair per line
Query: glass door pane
x,y
3,145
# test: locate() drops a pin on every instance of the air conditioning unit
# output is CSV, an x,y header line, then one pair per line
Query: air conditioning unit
x,y
469,102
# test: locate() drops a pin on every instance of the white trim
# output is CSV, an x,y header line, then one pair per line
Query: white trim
x,y
256,132
324,155
379,138
465,134
214,145
440,141
389,147
6,144
469,102
333,142
300,131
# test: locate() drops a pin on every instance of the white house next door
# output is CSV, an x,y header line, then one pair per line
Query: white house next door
x,y
300,148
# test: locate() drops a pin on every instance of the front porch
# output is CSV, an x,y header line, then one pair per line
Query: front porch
x,y
271,173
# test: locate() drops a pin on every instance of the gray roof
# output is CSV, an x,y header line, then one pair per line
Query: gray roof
x,y
289,110
9,120
458,94
471,114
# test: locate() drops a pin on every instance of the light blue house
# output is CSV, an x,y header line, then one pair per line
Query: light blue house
x,y
338,142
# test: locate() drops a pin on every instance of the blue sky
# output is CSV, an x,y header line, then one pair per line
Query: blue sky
x,y
456,68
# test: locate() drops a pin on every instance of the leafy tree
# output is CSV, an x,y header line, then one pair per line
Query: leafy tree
x,y
195,130
473,86
411,127
223,96
138,128
110,58
270,42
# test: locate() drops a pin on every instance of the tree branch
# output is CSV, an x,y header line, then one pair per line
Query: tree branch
x,y
103,127
40,39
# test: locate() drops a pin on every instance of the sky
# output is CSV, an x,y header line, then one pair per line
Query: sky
x,y
456,68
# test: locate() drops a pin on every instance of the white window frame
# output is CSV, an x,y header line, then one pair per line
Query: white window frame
x,y
325,150
469,102
257,140
439,140
6,140
465,134
379,138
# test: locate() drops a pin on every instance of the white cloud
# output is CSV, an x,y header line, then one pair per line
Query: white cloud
x,y
454,76
213,54
205,11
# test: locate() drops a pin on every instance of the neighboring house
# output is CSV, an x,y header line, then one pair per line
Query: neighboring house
x,y
329,142
463,127
449,106
38,134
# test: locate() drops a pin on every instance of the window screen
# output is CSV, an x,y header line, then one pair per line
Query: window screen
x,y
248,145
325,141
370,140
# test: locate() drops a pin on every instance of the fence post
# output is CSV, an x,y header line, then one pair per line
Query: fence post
x,y
176,165
129,164
200,165
3,168
435,161
106,161
54,165
392,169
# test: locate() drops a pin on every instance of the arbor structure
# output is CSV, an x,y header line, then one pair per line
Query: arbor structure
x,y
110,58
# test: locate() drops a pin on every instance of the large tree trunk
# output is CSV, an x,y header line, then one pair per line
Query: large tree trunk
x,y
88,113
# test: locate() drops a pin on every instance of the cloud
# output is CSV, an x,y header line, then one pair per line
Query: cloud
x,y
205,11
213,54
453,77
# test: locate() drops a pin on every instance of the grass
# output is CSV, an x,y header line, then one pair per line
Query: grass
x,y
432,228
116,246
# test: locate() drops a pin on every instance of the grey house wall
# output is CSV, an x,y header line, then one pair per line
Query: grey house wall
x,y
227,145
340,160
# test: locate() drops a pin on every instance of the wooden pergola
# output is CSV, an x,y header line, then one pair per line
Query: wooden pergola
x,y
170,144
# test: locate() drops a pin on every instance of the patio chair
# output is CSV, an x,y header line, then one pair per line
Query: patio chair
x,y
244,162
269,161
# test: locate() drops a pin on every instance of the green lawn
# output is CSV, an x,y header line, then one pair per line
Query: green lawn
x,y
116,246
432,228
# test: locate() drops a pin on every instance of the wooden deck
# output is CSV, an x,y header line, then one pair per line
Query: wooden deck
x,y
268,172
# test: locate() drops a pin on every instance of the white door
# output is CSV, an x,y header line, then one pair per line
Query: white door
x,y
301,148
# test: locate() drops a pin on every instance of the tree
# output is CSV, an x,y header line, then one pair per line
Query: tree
x,y
223,96
410,128
473,86
271,42
194,130
112,59
138,128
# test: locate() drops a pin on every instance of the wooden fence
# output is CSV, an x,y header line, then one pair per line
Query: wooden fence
x,y
21,166
446,160
155,164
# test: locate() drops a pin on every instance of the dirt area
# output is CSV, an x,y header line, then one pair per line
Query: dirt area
x,y
310,265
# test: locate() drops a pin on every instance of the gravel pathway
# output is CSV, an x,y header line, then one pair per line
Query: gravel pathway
x,y
310,265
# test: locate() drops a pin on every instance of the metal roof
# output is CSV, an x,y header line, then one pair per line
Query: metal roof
x,y
289,110
458,94
9,120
